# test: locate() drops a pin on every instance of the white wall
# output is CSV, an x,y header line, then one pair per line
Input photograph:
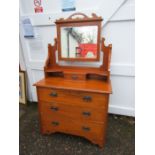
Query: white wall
x,y
118,29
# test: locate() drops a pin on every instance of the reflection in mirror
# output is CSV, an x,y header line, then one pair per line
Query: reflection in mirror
x,y
79,42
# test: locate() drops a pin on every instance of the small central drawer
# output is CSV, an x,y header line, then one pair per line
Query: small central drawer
x,y
75,76
75,112
70,97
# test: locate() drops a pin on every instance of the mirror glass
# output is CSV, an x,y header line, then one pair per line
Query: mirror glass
x,y
79,42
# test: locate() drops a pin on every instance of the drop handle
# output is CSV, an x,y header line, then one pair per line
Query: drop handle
x,y
53,94
54,108
54,123
87,98
85,128
86,113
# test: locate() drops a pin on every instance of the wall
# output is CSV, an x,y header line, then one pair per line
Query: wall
x,y
118,29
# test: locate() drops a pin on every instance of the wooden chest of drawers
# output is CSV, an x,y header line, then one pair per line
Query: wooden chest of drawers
x,y
74,99
80,110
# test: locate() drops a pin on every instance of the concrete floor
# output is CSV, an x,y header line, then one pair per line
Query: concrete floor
x,y
120,137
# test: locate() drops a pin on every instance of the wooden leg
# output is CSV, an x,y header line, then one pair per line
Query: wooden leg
x,y
100,143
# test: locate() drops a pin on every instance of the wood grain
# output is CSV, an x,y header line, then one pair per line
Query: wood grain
x,y
92,131
87,86
72,97
87,113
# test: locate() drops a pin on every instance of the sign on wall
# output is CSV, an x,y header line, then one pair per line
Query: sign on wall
x,y
38,8
68,5
27,28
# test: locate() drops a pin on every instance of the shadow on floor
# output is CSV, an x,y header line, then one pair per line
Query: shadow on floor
x,y
120,137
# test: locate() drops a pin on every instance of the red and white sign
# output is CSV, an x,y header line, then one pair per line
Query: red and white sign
x,y
38,8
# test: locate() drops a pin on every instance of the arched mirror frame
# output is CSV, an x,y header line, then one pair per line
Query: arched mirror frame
x,y
78,22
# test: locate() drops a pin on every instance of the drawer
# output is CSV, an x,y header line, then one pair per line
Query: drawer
x,y
72,76
75,112
75,127
76,98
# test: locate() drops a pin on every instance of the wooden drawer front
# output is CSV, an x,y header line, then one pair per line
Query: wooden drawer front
x,y
73,97
82,128
72,76
81,113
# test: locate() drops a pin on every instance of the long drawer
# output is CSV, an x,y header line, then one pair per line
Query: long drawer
x,y
73,126
69,97
76,112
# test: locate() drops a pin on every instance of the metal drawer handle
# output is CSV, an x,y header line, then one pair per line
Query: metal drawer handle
x,y
86,128
53,94
87,98
86,113
55,123
74,77
54,108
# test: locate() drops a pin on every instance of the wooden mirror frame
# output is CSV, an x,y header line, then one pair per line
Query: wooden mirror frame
x,y
85,21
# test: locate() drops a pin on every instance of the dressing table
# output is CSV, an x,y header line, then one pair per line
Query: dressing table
x,y
74,99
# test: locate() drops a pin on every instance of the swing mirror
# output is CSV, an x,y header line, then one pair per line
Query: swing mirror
x,y
79,38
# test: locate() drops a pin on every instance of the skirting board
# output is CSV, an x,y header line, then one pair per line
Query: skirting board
x,y
121,110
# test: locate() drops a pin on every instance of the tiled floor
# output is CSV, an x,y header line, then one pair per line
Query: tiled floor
x,y
120,137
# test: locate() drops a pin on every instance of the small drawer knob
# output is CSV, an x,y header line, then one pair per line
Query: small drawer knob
x,y
54,108
87,98
74,77
86,113
53,94
55,123
85,128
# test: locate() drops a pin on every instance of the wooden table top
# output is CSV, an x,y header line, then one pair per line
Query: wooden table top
x,y
83,85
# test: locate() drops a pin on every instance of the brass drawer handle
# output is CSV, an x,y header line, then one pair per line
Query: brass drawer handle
x,y
53,94
54,123
87,98
54,108
85,128
86,113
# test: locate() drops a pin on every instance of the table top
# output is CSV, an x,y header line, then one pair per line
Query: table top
x,y
90,85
